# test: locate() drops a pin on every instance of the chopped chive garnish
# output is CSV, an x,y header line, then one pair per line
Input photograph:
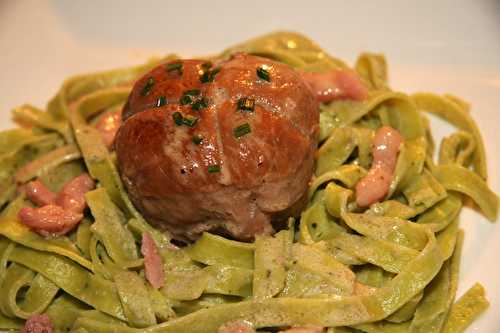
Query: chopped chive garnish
x,y
178,118
176,66
192,92
147,87
242,130
213,169
197,139
206,65
263,74
209,76
204,78
189,121
162,100
213,73
200,104
186,99
246,104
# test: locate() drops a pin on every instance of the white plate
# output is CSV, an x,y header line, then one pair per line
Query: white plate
x,y
440,46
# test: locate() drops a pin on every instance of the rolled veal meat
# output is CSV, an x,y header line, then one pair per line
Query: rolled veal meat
x,y
227,147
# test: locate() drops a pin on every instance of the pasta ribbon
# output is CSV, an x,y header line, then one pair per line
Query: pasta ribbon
x,y
347,174
340,145
409,165
460,179
455,113
271,256
28,115
373,68
211,249
109,227
47,162
325,312
90,289
401,232
135,299
466,309
395,109
457,148
39,295
439,294
288,47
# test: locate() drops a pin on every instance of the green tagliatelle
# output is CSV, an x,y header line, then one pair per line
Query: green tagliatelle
x,y
392,267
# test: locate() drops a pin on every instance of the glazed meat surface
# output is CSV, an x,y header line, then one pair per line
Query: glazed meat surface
x,y
226,147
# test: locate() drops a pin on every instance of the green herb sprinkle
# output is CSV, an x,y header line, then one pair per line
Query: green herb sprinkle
x,y
189,121
200,104
176,66
147,87
246,104
177,116
186,99
213,168
161,101
209,76
263,74
242,130
197,139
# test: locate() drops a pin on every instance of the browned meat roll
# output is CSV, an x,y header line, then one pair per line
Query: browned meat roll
x,y
226,147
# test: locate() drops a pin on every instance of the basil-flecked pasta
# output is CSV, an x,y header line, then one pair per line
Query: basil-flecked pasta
x,y
389,267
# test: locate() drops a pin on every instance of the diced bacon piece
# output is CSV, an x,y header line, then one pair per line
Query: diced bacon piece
x,y
108,126
38,324
375,186
336,84
310,329
72,195
39,194
240,326
49,220
386,145
153,264
59,213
